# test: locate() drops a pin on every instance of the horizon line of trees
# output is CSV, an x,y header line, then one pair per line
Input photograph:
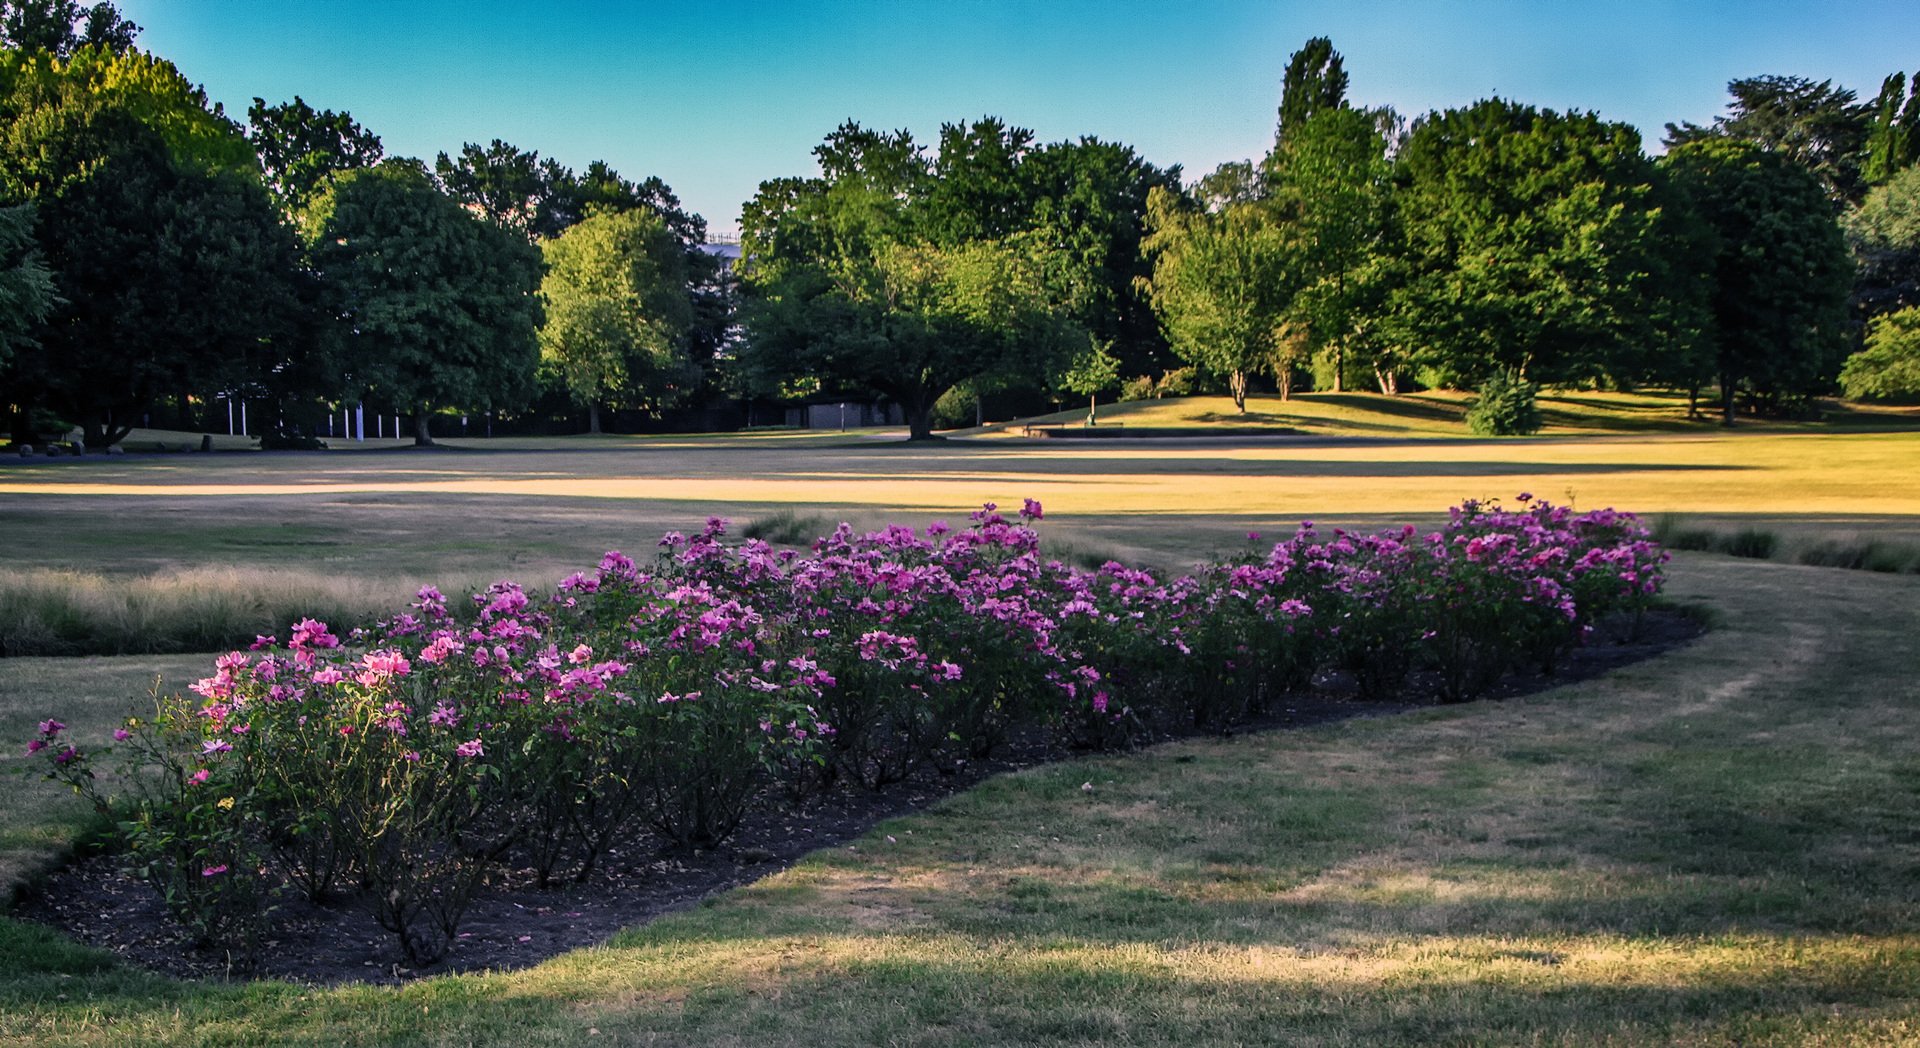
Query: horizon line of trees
x,y
156,253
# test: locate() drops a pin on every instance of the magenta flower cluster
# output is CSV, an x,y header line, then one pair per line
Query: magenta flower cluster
x,y
547,730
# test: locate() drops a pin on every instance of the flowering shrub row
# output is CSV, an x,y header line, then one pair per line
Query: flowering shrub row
x,y
402,764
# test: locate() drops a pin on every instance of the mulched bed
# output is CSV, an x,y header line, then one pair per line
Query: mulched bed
x,y
513,924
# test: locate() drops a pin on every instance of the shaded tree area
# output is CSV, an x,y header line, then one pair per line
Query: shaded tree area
x,y
436,308
1776,268
172,270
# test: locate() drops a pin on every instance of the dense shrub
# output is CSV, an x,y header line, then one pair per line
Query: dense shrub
x,y
1507,406
401,764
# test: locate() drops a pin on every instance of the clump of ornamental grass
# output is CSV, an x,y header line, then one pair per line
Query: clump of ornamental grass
x,y
60,612
400,764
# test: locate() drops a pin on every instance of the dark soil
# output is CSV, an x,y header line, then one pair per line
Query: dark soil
x,y
514,924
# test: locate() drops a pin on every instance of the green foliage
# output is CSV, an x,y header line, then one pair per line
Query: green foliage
x,y
1329,182
301,148
1505,407
1815,126
1777,271
1536,243
60,27
1315,81
26,288
1889,367
617,313
871,277
1884,233
438,308
1893,130
1221,282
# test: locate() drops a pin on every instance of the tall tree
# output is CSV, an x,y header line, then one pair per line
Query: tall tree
x,y
438,308
1222,281
1815,125
301,147
1330,180
174,272
1535,246
1893,130
1778,271
1088,198
61,27
617,313
1316,80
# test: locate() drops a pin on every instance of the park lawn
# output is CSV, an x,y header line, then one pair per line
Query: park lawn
x,y
348,502
1443,413
1713,847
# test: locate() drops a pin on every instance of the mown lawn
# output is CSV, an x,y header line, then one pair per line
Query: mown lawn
x,y
1716,847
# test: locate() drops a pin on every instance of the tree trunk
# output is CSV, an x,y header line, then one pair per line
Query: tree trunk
x,y
593,417
919,422
1339,368
1726,400
1283,377
1237,385
421,437
1093,409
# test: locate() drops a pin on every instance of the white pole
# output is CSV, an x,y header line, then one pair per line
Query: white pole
x,y
229,414
243,418
360,420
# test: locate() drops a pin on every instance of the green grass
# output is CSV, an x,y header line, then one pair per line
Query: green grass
x,y
1443,413
1715,847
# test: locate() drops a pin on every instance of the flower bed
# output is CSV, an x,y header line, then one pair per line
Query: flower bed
x,y
399,767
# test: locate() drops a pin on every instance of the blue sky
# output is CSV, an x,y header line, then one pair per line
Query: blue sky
x,y
714,97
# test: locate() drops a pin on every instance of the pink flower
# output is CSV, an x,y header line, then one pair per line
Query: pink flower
x,y
330,675
199,778
469,749
121,735
36,746
1031,510
214,871
50,728
213,746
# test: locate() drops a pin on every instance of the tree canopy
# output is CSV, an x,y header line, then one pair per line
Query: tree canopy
x,y
1777,269
301,147
437,308
617,313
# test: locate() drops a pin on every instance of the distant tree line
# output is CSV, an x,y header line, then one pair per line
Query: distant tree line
x,y
157,255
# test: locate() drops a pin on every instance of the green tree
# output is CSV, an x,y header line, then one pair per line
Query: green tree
x,y
1330,181
1893,130
1884,233
174,272
1222,281
1092,372
1815,125
1315,81
1889,367
301,148
26,288
617,313
1535,244
438,308
846,286
1088,199
61,27
1777,270
512,187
